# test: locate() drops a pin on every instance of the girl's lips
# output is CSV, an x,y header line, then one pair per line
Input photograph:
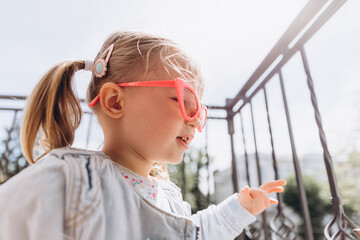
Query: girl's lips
x,y
182,143
185,140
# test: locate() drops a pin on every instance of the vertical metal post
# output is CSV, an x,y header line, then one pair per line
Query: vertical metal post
x,y
265,227
207,164
327,158
271,136
230,122
300,185
279,206
342,219
287,226
245,151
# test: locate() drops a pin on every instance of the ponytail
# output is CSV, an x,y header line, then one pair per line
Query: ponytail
x,y
53,109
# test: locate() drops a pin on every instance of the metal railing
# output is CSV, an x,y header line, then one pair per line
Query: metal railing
x,y
313,16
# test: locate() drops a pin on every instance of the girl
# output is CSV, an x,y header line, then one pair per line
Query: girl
x,y
145,92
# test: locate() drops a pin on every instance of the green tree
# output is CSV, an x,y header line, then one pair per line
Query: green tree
x,y
318,206
347,174
12,161
187,176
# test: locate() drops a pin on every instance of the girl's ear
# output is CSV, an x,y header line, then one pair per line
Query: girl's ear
x,y
112,100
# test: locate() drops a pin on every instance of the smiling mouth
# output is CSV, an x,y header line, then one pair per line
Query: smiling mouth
x,y
185,141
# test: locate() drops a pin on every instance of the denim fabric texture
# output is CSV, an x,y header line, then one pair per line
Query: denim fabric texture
x,y
80,194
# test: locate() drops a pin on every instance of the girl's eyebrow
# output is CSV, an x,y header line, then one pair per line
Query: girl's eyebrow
x,y
171,91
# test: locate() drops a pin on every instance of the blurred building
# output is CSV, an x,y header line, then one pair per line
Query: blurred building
x,y
311,164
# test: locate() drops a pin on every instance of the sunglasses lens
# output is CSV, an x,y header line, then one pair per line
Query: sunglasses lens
x,y
190,103
203,115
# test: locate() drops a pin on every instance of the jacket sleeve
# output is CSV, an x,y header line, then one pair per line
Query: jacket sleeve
x,y
32,203
224,221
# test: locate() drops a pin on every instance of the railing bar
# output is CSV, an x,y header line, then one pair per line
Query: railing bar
x,y
330,10
216,107
320,21
261,86
12,97
327,229
327,158
233,161
207,163
340,223
230,123
245,150
22,97
335,193
84,112
255,145
10,109
279,206
217,118
300,184
13,125
303,18
271,136
351,222
266,230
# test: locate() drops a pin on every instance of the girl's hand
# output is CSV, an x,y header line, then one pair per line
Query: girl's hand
x,y
255,200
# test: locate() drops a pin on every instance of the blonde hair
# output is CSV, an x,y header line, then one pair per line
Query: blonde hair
x,y
54,110
136,53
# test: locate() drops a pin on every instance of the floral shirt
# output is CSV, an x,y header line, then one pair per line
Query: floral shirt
x,y
143,186
147,189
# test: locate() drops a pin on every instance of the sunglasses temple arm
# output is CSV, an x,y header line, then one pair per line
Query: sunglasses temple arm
x,y
94,101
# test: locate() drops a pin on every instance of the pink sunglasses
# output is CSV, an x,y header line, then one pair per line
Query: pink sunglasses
x,y
190,106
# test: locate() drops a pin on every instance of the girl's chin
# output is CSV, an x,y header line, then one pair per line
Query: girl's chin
x,y
175,161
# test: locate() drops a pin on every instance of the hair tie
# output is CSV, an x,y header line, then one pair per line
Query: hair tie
x,y
89,65
100,66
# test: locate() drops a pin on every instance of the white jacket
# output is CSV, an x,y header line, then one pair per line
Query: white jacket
x,y
78,194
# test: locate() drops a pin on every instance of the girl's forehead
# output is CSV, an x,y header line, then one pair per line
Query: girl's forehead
x,y
162,74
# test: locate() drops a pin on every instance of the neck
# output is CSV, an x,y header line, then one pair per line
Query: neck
x,y
129,160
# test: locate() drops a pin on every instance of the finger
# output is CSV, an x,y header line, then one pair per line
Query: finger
x,y
273,184
267,202
246,190
275,189
260,195
244,194
273,201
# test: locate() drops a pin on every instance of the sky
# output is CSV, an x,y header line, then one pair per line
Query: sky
x,y
228,38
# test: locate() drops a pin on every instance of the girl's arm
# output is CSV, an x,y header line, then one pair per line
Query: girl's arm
x,y
228,219
32,203
224,221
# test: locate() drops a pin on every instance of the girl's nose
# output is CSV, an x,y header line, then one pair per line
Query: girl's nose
x,y
194,123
